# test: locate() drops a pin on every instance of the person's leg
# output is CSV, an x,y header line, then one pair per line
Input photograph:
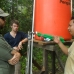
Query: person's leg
x,y
18,68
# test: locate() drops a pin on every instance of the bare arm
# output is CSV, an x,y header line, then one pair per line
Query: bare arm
x,y
22,42
15,58
61,45
63,48
7,53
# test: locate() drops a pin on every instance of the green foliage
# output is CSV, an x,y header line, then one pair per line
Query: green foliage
x,y
22,10
23,64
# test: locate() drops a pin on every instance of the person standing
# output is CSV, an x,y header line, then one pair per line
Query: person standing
x,y
8,56
16,39
69,66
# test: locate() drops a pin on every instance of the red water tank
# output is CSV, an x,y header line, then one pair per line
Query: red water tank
x,y
52,17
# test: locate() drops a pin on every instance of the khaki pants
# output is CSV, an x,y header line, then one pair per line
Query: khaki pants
x,y
18,68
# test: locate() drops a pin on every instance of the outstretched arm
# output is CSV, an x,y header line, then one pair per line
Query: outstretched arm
x,y
61,45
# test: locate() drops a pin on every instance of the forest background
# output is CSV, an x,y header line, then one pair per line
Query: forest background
x,y
22,10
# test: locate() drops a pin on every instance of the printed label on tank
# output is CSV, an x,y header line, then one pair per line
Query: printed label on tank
x,y
67,2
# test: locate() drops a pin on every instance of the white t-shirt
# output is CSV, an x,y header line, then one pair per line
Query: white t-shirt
x,y
69,67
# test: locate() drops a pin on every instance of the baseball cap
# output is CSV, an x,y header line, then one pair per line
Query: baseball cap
x,y
2,13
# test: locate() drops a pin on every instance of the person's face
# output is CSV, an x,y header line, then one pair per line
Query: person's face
x,y
14,27
2,22
71,27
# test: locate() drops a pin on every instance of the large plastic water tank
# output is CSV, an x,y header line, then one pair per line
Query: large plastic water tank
x,y
52,17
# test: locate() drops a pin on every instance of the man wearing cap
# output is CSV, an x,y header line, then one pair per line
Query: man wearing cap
x,y
8,56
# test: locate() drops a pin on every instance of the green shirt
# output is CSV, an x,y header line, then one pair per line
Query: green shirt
x,y
5,49
5,55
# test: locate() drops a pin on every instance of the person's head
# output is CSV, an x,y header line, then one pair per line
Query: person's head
x,y
71,26
2,18
14,25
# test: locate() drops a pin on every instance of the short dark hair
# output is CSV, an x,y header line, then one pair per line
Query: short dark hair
x,y
72,17
14,21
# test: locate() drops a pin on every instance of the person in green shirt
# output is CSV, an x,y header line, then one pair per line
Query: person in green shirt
x,y
8,56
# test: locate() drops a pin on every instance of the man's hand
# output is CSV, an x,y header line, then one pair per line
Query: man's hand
x,y
57,39
20,45
16,48
15,58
